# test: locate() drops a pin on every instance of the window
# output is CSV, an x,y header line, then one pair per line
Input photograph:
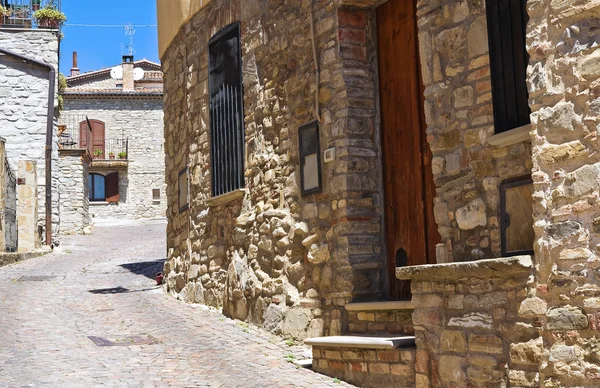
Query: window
x,y
103,188
98,130
226,111
516,216
507,22
156,194
310,160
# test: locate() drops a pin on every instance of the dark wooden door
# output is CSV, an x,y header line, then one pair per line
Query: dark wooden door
x,y
411,232
98,133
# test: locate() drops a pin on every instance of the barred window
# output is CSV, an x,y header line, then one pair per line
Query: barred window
x,y
226,111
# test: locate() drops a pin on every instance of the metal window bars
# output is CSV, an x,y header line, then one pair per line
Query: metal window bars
x,y
227,141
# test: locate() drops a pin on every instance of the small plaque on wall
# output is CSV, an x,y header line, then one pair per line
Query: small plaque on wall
x,y
184,190
310,160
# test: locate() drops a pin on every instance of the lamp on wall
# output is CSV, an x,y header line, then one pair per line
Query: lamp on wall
x,y
310,159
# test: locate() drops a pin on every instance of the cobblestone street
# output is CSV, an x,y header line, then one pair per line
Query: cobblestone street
x,y
102,285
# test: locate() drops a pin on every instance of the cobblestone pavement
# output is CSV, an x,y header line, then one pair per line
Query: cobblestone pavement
x,y
102,286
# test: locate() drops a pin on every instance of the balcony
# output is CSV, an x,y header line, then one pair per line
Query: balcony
x,y
78,133
20,13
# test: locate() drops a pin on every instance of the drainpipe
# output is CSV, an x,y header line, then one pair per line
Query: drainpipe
x,y
49,130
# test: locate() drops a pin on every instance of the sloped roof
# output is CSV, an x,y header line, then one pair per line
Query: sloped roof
x,y
90,75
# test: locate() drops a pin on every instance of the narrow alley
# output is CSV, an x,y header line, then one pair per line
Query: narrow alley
x,y
102,286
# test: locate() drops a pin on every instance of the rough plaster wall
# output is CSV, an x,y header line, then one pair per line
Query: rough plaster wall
x,y
459,113
23,107
275,258
141,121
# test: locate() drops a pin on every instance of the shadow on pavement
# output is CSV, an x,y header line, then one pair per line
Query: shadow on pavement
x,y
146,268
118,290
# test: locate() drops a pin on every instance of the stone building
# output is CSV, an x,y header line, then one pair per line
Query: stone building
x,y
122,108
328,160
24,99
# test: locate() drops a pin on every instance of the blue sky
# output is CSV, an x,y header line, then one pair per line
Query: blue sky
x,y
102,47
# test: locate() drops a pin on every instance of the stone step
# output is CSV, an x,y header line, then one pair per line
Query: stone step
x,y
380,306
375,361
349,341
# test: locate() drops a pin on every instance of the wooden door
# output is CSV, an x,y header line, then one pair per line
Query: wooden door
x,y
98,133
411,232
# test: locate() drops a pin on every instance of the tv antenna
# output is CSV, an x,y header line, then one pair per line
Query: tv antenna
x,y
130,31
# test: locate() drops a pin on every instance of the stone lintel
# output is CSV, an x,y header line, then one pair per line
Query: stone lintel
x,y
514,136
380,306
226,198
502,267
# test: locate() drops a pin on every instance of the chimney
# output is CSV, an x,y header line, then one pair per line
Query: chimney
x,y
128,84
74,69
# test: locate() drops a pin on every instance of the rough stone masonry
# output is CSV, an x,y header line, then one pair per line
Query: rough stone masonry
x,y
23,107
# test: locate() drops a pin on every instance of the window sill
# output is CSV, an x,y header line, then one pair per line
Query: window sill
x,y
514,136
99,203
226,198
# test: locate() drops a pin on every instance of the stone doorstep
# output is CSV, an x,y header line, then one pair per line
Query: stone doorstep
x,y
380,306
362,342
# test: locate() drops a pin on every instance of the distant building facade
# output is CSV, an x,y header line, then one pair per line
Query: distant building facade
x,y
123,112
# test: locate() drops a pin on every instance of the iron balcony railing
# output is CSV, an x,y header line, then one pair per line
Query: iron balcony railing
x,y
75,132
19,13
111,149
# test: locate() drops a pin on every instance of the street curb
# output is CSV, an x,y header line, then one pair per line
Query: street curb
x,y
15,257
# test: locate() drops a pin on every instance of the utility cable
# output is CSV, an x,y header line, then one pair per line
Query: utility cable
x,y
109,25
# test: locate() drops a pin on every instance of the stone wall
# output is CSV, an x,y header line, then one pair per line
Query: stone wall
x,y
3,194
368,368
470,326
74,196
27,206
459,113
24,104
140,121
275,258
391,322
563,78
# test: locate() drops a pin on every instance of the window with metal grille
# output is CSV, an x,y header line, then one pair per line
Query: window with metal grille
x,y
507,22
226,111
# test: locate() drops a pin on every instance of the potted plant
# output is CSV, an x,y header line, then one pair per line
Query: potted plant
x,y
4,13
35,4
111,155
122,155
49,16
97,153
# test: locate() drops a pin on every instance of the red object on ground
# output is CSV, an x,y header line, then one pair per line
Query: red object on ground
x,y
159,278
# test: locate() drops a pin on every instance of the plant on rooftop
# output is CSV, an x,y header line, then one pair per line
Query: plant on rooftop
x,y
49,16
4,12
